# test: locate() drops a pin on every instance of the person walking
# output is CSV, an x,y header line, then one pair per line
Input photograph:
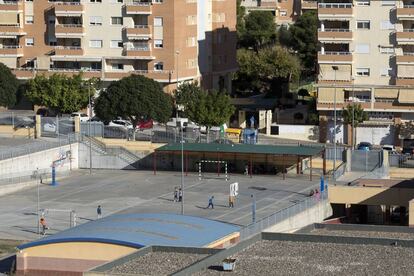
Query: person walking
x,y
175,194
43,225
180,195
231,201
210,202
99,211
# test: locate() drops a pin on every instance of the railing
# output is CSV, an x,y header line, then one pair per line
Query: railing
x,y
135,3
74,70
334,30
11,47
335,53
141,26
335,5
68,3
281,215
408,6
408,30
408,54
10,3
138,48
69,25
68,47
10,25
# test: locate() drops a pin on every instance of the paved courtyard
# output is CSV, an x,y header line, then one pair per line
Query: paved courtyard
x,y
141,191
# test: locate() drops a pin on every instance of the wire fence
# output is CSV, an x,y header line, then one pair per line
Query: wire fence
x,y
17,119
281,215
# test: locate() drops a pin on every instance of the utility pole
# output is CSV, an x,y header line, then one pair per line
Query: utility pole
x,y
89,129
335,68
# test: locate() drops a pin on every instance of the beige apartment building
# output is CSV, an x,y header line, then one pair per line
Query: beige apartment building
x,y
366,56
167,40
285,11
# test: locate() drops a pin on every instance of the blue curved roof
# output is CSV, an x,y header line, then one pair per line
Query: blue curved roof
x,y
139,230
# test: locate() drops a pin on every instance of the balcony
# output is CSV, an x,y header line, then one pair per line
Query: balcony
x,y
404,81
391,105
309,5
334,35
139,32
335,57
68,8
405,58
406,12
69,30
11,50
334,11
406,36
11,30
23,73
68,51
11,6
340,105
138,8
161,76
86,74
138,52
268,4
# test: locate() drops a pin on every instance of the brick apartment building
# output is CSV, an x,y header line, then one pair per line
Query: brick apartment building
x,y
167,40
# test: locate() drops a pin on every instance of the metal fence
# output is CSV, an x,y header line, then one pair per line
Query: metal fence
x,y
17,119
54,126
401,161
281,215
365,161
38,146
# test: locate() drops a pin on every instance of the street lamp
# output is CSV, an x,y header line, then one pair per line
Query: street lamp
x,y
177,53
353,114
335,68
182,170
38,201
89,128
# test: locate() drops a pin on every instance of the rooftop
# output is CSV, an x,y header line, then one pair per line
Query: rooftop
x,y
245,148
139,230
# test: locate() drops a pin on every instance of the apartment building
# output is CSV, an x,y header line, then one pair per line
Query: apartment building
x,y
167,40
366,56
285,11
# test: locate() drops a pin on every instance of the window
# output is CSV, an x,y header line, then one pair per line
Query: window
x,y
158,22
116,44
362,49
387,3
363,24
95,43
159,66
362,72
29,19
30,63
387,50
191,41
387,25
386,72
117,66
362,2
192,20
283,13
52,41
116,20
95,1
95,20
158,43
29,41
52,20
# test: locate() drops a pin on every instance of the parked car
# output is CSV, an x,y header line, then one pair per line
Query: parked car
x,y
121,123
145,124
389,148
365,146
83,117
49,127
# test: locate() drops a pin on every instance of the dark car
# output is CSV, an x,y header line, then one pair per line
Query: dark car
x,y
365,146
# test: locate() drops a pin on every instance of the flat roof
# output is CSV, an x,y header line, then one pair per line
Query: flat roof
x,y
244,148
385,183
140,230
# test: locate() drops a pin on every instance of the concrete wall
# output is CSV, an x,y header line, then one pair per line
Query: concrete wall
x,y
10,131
298,132
25,165
315,214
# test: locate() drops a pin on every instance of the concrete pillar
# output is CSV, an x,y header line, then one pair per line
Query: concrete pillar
x,y
397,124
411,213
242,119
262,119
77,124
322,26
348,211
38,126
268,121
348,160
350,132
323,129
322,49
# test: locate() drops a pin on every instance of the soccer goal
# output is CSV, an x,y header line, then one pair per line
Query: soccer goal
x,y
212,166
58,219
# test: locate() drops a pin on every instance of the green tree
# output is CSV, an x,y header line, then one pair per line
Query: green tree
x,y
187,92
260,30
284,36
303,92
304,38
210,109
406,130
8,87
264,71
354,115
135,98
61,93
241,12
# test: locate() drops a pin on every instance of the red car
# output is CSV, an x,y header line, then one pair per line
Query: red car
x,y
145,124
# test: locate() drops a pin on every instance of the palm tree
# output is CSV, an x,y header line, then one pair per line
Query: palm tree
x,y
353,115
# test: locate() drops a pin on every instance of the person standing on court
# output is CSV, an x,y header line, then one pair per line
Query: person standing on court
x,y
180,195
44,225
175,194
99,211
210,202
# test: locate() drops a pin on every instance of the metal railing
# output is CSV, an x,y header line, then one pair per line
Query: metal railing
x,y
408,30
335,53
281,215
334,30
69,25
141,26
335,5
68,47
